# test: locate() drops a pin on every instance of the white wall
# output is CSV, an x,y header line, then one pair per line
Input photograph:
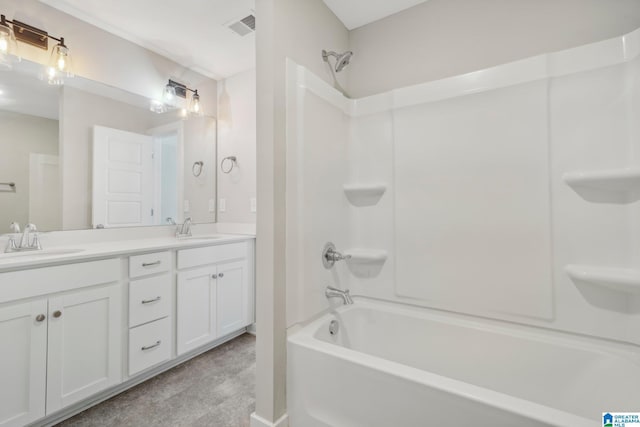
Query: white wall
x,y
299,30
237,137
441,38
200,145
22,135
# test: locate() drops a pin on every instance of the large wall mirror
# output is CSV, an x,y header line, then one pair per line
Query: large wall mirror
x,y
86,155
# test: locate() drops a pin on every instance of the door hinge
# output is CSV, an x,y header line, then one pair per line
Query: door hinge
x,y
151,212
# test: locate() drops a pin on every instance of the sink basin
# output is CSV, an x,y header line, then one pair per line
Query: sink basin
x,y
40,254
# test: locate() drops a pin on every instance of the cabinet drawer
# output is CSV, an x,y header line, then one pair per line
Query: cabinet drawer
x,y
188,258
149,345
149,299
143,265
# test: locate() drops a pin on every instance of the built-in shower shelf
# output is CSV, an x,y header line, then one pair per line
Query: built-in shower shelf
x,y
619,279
364,194
614,180
367,256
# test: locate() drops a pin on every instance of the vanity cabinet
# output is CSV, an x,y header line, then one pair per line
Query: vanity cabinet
x,y
23,371
58,348
215,298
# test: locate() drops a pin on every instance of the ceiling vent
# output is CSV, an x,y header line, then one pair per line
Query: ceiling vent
x,y
246,25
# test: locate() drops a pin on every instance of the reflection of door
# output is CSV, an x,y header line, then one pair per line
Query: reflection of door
x,y
44,191
122,178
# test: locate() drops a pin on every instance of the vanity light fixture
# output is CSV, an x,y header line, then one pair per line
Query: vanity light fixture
x,y
174,90
11,32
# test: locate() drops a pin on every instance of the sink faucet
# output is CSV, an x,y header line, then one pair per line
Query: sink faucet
x,y
184,230
332,292
26,244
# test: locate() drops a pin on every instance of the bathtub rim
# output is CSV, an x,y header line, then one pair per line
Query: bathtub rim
x,y
305,337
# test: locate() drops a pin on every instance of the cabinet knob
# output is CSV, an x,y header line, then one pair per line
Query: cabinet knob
x,y
57,314
40,318
214,276
221,275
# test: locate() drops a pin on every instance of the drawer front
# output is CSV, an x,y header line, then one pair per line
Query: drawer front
x,y
188,258
143,265
149,299
149,345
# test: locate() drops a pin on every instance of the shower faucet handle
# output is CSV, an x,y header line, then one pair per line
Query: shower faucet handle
x,y
330,256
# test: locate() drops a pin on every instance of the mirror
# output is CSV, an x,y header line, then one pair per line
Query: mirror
x,y
87,155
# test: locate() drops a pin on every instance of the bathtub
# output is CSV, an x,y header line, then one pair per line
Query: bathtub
x,y
392,365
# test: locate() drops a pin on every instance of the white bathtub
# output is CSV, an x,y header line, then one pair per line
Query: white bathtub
x,y
395,366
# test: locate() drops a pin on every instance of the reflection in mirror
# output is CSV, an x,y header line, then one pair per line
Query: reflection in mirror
x,y
86,155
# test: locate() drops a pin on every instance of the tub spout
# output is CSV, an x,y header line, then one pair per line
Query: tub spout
x,y
332,292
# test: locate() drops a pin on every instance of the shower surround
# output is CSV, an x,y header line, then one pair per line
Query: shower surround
x,y
507,194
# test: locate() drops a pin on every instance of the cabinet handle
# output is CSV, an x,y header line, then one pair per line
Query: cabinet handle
x,y
151,264
221,275
214,276
149,347
40,318
57,314
149,301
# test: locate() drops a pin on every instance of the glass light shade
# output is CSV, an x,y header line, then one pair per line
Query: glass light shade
x,y
157,107
8,47
169,96
59,67
196,107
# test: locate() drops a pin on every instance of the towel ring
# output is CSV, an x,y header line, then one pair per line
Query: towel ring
x,y
197,167
233,161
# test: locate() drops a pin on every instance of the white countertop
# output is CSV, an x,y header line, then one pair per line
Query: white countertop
x,y
88,251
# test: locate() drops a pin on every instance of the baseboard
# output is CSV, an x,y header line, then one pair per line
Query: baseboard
x,y
251,329
258,421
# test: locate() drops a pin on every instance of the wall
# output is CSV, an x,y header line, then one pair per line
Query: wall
x,y
237,137
101,56
299,30
22,135
200,145
441,38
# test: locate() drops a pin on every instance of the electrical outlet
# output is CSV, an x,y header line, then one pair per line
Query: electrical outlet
x,y
254,205
222,205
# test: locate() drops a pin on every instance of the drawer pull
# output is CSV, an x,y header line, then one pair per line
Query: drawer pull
x,y
214,276
151,264
57,314
221,275
40,318
149,347
149,301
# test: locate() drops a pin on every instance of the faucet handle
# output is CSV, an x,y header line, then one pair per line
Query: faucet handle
x,y
14,227
36,242
31,227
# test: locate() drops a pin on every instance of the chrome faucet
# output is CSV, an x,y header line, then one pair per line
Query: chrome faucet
x,y
331,292
330,255
184,230
26,243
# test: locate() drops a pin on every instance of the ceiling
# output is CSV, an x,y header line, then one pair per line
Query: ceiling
x,y
169,29
356,13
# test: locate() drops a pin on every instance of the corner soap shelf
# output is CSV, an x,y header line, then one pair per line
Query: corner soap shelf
x,y
618,279
613,180
364,194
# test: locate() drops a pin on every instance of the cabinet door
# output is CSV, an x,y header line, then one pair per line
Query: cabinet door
x,y
233,297
84,345
196,310
23,352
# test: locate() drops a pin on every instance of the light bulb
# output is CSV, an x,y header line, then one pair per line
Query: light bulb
x,y
61,62
4,45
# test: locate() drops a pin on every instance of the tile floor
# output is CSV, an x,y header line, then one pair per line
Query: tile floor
x,y
215,389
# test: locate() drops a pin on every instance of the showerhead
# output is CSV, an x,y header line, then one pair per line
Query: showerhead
x,y
342,59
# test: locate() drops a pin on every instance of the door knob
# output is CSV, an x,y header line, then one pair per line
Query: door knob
x,y
57,314
40,318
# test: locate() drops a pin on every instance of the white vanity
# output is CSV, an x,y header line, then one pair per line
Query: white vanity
x,y
78,325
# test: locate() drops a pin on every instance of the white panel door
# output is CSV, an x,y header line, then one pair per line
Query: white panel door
x,y
45,209
23,363
196,308
84,345
122,178
233,297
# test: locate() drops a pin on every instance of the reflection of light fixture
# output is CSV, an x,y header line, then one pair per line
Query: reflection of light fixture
x,y
59,66
174,90
157,107
8,44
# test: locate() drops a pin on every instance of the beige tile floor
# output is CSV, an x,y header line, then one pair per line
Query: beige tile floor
x,y
215,389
